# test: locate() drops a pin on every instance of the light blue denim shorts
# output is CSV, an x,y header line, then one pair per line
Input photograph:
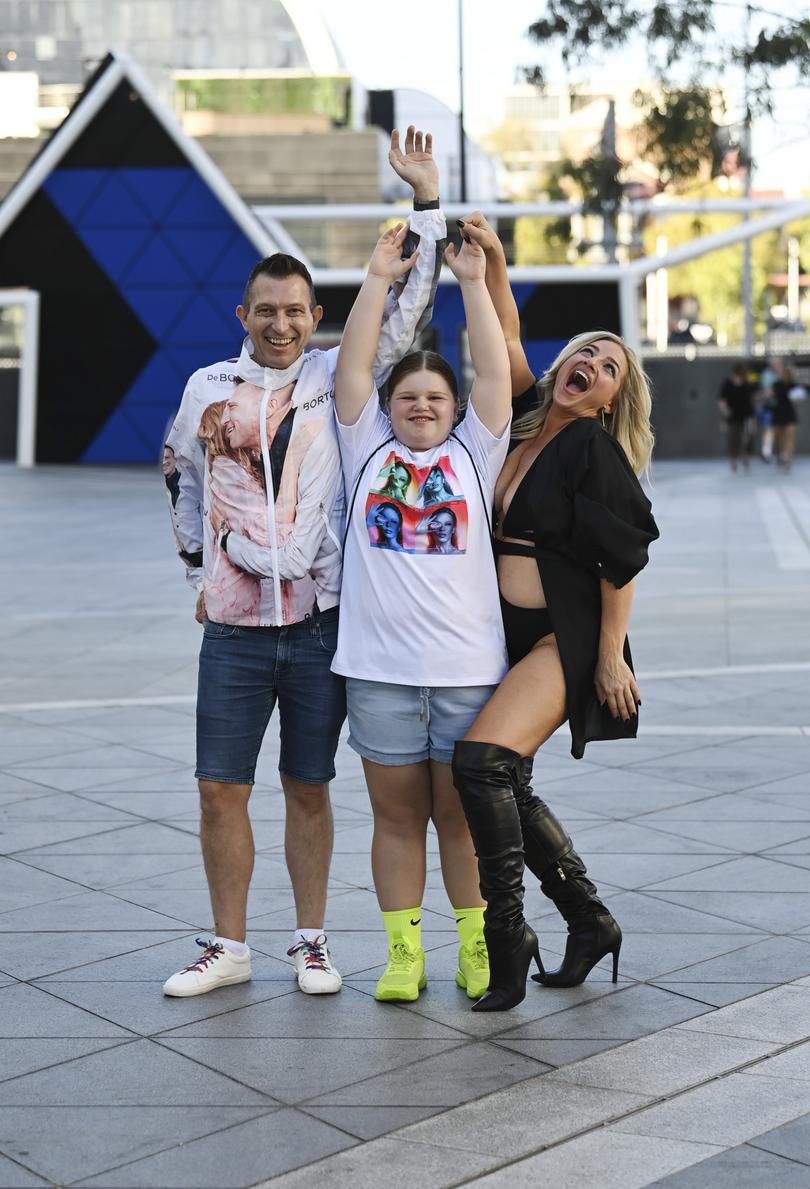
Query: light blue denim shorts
x,y
403,724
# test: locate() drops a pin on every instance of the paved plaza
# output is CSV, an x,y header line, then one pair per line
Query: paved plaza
x,y
692,1073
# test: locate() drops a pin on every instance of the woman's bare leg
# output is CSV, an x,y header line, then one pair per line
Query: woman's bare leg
x,y
528,705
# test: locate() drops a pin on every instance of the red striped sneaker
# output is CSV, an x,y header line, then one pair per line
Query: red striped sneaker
x,y
215,967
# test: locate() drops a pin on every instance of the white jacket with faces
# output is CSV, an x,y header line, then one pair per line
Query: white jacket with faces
x,y
282,552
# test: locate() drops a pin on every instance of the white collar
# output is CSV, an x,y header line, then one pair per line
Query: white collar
x,y
268,378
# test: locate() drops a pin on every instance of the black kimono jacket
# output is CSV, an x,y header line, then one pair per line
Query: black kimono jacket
x,y
591,520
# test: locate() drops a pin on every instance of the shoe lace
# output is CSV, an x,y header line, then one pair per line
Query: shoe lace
x,y
401,956
315,957
477,954
211,951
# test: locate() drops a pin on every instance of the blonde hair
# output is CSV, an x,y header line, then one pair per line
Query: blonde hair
x,y
217,445
629,423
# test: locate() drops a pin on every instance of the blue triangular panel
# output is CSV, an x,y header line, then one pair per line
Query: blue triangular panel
x,y
200,323
119,441
114,206
200,247
156,384
157,264
114,248
186,360
158,308
72,189
233,266
151,422
156,189
197,206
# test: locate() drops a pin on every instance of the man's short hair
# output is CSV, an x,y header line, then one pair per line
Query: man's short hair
x,y
279,265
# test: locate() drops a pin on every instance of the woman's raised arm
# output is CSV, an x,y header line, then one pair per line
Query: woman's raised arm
x,y
353,377
491,391
478,229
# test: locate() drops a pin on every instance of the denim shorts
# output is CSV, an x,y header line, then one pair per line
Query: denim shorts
x,y
243,672
403,724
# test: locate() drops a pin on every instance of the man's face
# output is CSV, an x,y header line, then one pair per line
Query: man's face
x,y
240,418
280,321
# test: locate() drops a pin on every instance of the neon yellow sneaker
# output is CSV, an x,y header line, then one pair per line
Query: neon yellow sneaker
x,y
404,975
473,967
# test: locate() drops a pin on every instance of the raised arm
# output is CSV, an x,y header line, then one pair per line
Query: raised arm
x,y
476,228
491,393
354,377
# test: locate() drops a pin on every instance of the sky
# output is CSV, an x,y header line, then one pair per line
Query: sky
x,y
418,47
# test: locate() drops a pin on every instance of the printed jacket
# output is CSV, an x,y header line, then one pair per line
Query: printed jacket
x,y
282,553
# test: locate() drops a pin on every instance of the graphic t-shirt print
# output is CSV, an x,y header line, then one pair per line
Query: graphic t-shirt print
x,y
412,509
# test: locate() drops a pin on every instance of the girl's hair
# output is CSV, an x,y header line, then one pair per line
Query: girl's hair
x,y
629,423
419,361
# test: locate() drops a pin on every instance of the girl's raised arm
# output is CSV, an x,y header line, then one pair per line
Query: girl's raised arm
x,y
353,377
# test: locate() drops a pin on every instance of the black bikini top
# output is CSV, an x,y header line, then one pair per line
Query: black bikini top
x,y
518,522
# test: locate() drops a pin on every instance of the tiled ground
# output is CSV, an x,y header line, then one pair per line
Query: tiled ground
x,y
694,1071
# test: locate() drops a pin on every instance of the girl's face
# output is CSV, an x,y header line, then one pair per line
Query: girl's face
x,y
589,380
422,410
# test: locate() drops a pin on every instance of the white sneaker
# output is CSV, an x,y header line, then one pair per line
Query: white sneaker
x,y
313,967
216,967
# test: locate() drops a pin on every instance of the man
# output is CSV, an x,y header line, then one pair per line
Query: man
x,y
268,572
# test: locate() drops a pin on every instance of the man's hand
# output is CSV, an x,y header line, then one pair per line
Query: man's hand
x,y
470,264
386,261
416,165
199,611
475,227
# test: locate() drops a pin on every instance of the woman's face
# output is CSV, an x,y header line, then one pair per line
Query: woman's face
x,y
589,380
441,524
422,410
400,476
387,522
434,482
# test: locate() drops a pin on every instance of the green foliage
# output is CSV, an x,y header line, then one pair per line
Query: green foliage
x,y
298,95
678,132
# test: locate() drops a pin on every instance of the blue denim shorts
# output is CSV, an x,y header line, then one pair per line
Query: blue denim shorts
x,y
243,672
403,724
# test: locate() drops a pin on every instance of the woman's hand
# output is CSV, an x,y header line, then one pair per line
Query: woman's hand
x,y
386,260
475,227
470,264
616,686
416,165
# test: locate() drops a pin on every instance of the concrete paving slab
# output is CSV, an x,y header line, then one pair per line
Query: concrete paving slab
x,y
776,912
606,1158
283,1067
14,1176
369,1122
233,1158
739,1168
779,1015
30,1012
726,1112
35,955
26,1055
66,1143
792,1140
137,1074
628,1014
774,959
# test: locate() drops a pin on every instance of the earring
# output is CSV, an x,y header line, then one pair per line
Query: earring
x,y
602,412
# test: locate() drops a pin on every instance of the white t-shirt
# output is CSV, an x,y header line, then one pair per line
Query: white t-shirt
x,y
419,603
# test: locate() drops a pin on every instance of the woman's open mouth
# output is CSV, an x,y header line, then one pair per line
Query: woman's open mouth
x,y
579,381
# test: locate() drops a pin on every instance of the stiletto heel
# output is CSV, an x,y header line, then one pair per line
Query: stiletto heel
x,y
587,944
616,963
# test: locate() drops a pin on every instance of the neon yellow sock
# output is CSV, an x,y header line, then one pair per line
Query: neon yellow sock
x,y
405,923
470,923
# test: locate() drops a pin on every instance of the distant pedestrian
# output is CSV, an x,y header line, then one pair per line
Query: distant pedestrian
x,y
783,410
737,407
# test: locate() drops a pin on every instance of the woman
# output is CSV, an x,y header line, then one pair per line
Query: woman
x,y
573,527
784,418
421,638
440,527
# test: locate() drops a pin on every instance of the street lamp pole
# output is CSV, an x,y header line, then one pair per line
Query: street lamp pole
x,y
462,148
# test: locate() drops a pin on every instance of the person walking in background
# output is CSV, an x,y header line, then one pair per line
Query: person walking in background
x,y
736,401
785,392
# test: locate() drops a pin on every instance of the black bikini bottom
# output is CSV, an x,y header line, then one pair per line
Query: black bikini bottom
x,y
523,626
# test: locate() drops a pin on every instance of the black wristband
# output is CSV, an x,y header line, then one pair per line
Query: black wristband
x,y
433,205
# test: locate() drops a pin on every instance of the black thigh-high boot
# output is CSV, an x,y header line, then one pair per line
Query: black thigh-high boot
x,y
550,855
483,775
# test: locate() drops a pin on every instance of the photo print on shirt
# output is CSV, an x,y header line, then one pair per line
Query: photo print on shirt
x,y
421,510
